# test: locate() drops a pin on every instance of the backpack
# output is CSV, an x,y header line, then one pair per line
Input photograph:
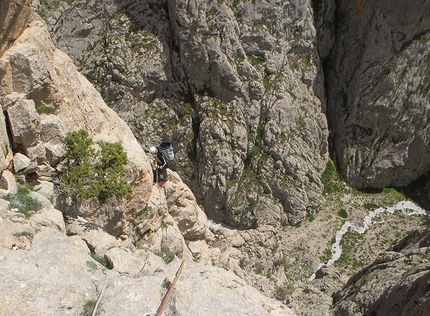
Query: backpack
x,y
166,150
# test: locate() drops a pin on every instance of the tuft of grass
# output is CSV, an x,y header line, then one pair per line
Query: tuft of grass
x,y
256,60
24,234
89,307
100,259
342,213
23,202
43,109
167,254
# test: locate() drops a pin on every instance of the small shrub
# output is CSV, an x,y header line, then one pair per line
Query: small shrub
x,y
167,254
92,173
89,307
342,213
23,202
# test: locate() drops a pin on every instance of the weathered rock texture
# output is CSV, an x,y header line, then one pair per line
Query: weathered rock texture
x,y
34,75
397,283
378,83
46,272
14,17
235,85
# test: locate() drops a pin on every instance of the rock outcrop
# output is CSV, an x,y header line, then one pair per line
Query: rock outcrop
x,y
14,17
46,271
378,84
235,85
36,76
397,283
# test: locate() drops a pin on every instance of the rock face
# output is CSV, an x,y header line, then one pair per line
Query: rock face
x,y
378,86
397,283
235,85
36,76
14,17
47,272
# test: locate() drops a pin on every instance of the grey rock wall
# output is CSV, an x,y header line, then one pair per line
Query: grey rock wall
x,y
378,83
235,85
244,90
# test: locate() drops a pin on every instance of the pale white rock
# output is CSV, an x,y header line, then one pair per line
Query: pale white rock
x,y
45,188
44,202
49,217
9,185
4,207
96,238
24,122
124,261
20,162
183,207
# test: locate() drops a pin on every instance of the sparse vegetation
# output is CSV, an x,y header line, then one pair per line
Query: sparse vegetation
x,y
23,202
256,60
89,307
100,259
43,109
331,180
24,233
167,254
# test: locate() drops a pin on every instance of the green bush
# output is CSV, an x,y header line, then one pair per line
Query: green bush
x,y
94,173
89,307
342,213
23,202
167,254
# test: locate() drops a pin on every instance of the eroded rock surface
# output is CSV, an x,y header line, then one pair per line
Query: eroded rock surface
x,y
235,85
378,84
396,283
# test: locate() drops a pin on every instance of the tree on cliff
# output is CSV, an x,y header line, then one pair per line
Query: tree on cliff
x,y
94,173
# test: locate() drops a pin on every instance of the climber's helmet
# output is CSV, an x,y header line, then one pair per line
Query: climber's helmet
x,y
153,150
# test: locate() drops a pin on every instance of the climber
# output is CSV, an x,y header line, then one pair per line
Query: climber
x,y
159,165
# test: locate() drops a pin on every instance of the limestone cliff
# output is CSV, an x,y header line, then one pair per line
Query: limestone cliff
x,y
378,83
236,85
240,88
55,266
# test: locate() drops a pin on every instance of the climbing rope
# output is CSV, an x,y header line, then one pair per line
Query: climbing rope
x,y
167,295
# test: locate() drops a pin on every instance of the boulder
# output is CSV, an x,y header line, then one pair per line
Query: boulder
x,y
183,207
20,162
